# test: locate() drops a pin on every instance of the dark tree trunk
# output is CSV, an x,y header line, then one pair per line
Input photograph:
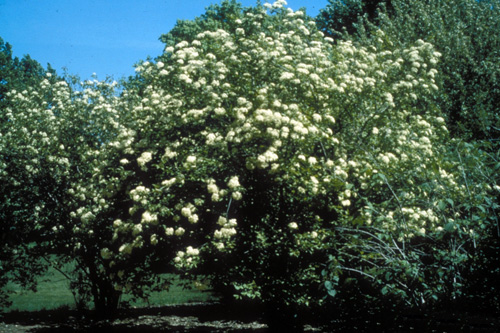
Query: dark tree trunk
x,y
106,298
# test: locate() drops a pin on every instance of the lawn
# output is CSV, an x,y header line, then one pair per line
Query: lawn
x,y
53,293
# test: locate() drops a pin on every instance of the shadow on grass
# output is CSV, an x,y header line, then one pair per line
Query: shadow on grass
x,y
217,317
194,317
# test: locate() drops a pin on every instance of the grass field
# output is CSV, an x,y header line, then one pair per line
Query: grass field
x,y
53,292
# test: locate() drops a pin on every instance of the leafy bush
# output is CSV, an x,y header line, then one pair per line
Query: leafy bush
x,y
467,75
267,150
275,162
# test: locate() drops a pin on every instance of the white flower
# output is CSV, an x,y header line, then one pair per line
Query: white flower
x,y
137,229
317,117
193,218
185,78
221,221
154,239
215,197
212,188
312,160
144,159
233,182
375,130
219,111
389,98
169,182
169,231
87,217
180,231
315,77
191,159
125,249
169,153
186,211
106,254
286,76
117,223
385,159
147,217
237,195
293,225
192,252
228,232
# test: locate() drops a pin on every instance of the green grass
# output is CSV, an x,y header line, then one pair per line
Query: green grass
x,y
53,293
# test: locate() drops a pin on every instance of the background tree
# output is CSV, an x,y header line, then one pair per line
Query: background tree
x,y
341,16
461,32
19,74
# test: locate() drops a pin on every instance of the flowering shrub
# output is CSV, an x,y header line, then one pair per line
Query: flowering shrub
x,y
467,72
266,150
263,155
61,173
15,74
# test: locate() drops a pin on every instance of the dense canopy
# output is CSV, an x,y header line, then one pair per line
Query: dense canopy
x,y
263,156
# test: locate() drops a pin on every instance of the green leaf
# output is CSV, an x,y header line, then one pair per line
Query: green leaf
x,y
328,285
449,226
332,292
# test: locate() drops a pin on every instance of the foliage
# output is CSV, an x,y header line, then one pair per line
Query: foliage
x,y
461,31
268,152
14,74
17,73
217,16
468,76
343,16
62,188
277,163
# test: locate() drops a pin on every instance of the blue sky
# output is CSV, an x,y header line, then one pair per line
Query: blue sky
x,y
106,37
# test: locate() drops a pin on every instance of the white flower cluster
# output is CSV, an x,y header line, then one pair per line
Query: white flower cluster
x,y
140,194
228,228
188,258
213,189
144,159
148,218
188,211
